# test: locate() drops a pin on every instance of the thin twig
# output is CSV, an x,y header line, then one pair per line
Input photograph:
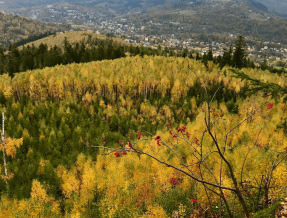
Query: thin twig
x,y
245,119
247,155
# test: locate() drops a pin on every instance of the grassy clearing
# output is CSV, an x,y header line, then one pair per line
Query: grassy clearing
x,y
257,17
72,37
186,12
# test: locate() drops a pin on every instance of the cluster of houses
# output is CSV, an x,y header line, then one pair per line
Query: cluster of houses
x,y
99,21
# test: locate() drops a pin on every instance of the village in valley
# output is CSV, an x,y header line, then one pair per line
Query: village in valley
x,y
179,35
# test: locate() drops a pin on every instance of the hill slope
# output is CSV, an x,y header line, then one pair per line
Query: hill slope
x,y
73,38
14,28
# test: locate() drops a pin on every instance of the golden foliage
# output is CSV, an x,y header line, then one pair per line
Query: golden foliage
x,y
155,212
135,180
11,145
122,76
278,182
79,180
38,192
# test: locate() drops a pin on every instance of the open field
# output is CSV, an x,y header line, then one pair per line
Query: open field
x,y
258,17
185,12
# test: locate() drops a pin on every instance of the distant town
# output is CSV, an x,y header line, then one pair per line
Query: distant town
x,y
135,32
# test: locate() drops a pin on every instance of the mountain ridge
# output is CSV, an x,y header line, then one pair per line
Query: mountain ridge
x,y
273,6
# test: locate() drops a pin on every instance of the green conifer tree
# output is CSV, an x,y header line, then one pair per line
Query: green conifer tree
x,y
239,54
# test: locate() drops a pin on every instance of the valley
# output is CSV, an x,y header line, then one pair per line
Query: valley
x,y
174,24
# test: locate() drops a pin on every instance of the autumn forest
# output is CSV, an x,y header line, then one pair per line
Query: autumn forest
x,y
126,131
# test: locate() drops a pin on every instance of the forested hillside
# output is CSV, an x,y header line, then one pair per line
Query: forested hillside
x,y
14,28
73,47
82,47
57,113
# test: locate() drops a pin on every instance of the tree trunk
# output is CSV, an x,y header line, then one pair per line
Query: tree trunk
x,y
3,145
266,197
242,202
237,192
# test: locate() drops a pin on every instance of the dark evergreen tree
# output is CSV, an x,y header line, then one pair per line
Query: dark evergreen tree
x,y
137,51
142,53
185,53
2,63
239,55
77,51
210,55
204,59
42,48
100,53
264,64
227,57
159,49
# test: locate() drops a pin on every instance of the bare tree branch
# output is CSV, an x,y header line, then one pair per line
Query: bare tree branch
x,y
170,165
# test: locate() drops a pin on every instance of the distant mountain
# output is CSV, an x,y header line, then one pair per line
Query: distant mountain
x,y
14,28
30,3
225,18
120,4
129,3
274,6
